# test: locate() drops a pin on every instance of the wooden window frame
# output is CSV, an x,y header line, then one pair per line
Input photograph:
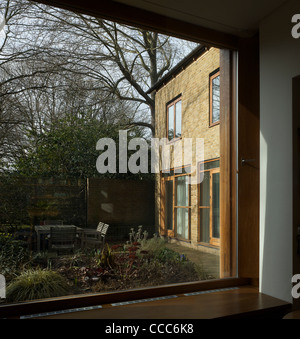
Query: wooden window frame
x,y
170,104
248,106
212,76
213,241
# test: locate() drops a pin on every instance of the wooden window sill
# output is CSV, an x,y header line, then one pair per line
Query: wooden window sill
x,y
235,303
222,301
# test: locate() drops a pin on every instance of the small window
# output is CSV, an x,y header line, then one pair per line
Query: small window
x,y
174,120
214,99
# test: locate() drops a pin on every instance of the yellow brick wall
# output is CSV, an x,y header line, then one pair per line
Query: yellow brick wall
x,y
193,84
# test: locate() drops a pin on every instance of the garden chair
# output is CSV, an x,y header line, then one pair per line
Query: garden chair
x,y
62,238
100,226
95,238
92,237
104,232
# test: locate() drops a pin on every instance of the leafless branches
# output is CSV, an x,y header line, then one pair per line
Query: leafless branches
x,y
54,62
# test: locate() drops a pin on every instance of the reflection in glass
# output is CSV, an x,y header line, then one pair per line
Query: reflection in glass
x,y
209,205
182,214
171,123
183,222
178,119
205,190
204,224
169,205
216,205
216,99
182,191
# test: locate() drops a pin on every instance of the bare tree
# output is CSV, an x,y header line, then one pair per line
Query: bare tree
x,y
54,62
121,61
12,11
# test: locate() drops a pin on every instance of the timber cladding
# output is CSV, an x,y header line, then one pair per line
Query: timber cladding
x,y
122,204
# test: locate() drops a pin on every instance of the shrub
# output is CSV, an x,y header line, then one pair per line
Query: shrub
x,y
166,255
37,284
13,255
154,245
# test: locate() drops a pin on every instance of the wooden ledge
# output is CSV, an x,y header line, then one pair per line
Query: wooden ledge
x,y
232,303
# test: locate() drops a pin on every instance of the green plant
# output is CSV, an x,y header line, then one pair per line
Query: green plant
x,y
137,236
106,257
13,255
166,255
153,245
37,284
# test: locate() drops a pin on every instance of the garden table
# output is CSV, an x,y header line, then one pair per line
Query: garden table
x,y
45,229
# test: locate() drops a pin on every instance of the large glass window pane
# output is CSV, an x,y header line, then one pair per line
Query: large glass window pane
x,y
205,190
56,190
216,99
169,205
178,119
171,122
182,217
211,164
204,224
216,205
182,191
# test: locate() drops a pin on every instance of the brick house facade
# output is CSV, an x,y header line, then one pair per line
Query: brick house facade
x,y
187,106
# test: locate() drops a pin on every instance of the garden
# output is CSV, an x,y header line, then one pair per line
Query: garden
x,y
138,262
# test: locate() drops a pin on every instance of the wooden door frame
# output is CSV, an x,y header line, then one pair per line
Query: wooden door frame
x,y
163,229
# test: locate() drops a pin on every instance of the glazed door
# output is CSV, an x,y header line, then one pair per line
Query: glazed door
x,y
182,207
209,207
215,207
168,201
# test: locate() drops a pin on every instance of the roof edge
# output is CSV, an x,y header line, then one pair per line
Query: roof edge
x,y
185,62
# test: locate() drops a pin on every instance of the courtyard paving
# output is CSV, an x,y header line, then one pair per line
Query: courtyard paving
x,y
209,262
